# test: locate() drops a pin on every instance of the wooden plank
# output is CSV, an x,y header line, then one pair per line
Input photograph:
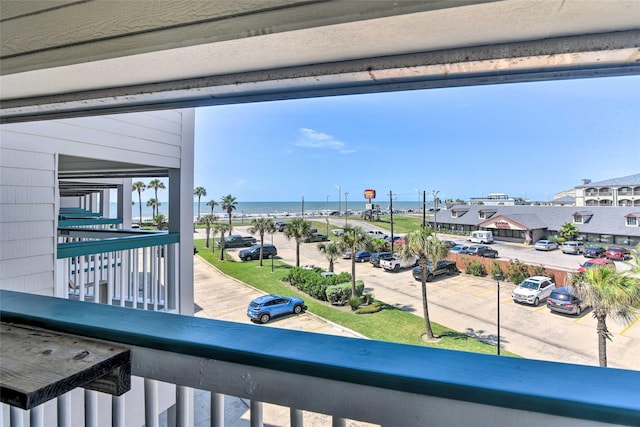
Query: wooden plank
x,y
37,365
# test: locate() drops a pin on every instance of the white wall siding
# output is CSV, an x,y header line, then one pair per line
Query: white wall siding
x,y
28,180
27,220
133,137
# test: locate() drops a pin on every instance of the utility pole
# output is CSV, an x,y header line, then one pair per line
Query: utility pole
x,y
391,210
424,209
346,209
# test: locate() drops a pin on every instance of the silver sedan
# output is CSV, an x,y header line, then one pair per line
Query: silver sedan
x,y
545,245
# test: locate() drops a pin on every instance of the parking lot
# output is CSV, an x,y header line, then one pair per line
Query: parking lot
x,y
468,304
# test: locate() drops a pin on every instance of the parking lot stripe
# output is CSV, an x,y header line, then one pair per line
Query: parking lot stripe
x,y
540,308
628,326
484,292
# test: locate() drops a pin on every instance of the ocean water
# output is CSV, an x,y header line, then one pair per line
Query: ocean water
x,y
274,209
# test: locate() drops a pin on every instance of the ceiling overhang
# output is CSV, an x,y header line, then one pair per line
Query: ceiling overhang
x,y
280,50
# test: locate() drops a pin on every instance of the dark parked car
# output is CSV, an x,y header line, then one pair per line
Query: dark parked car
x,y
280,226
618,253
362,256
443,266
377,256
459,249
563,300
253,252
450,243
315,237
263,308
594,252
481,250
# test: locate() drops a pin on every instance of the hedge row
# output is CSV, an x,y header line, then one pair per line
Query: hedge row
x,y
312,283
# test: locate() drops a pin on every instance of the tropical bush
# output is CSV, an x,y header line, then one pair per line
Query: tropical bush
x,y
313,284
475,268
341,293
495,269
516,271
354,303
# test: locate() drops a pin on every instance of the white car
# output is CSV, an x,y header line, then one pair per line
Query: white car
x,y
377,234
337,232
545,245
533,290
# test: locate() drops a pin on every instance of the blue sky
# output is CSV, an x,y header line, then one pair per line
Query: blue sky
x,y
527,140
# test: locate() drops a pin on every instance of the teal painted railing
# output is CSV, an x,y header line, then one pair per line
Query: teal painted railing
x,y
86,222
373,381
108,241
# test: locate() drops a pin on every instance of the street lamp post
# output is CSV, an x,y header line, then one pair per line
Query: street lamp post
x,y
327,213
346,209
339,200
498,277
271,255
435,210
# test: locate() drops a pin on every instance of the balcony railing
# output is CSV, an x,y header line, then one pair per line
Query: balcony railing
x,y
127,268
347,378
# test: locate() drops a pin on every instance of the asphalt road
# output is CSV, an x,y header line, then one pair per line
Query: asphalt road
x,y
468,304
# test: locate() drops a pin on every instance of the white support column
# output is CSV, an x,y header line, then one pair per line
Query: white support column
x,y
255,413
37,416
184,406
151,418
338,422
181,214
90,408
16,417
117,411
64,410
217,410
124,202
295,417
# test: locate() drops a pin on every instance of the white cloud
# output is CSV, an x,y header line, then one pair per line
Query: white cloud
x,y
314,139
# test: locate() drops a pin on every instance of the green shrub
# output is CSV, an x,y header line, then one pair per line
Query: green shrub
x,y
308,281
475,268
369,309
539,270
516,271
495,268
560,240
354,302
341,293
338,294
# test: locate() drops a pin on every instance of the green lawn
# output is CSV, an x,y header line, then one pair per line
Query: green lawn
x,y
390,324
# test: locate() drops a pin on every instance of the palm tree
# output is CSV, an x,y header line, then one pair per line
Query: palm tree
x,y
139,187
261,226
427,247
568,230
154,203
199,192
610,294
222,229
156,185
208,220
212,204
354,239
331,251
228,203
298,229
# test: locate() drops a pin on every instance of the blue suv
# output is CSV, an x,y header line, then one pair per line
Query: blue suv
x,y
263,308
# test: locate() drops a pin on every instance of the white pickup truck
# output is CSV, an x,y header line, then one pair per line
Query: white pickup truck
x,y
396,263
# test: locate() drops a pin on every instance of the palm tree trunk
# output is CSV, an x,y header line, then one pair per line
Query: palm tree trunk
x,y
425,306
353,273
198,208
331,266
603,335
261,247
140,206
208,232
297,253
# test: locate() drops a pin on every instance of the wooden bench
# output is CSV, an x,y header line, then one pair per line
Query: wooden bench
x,y
37,365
